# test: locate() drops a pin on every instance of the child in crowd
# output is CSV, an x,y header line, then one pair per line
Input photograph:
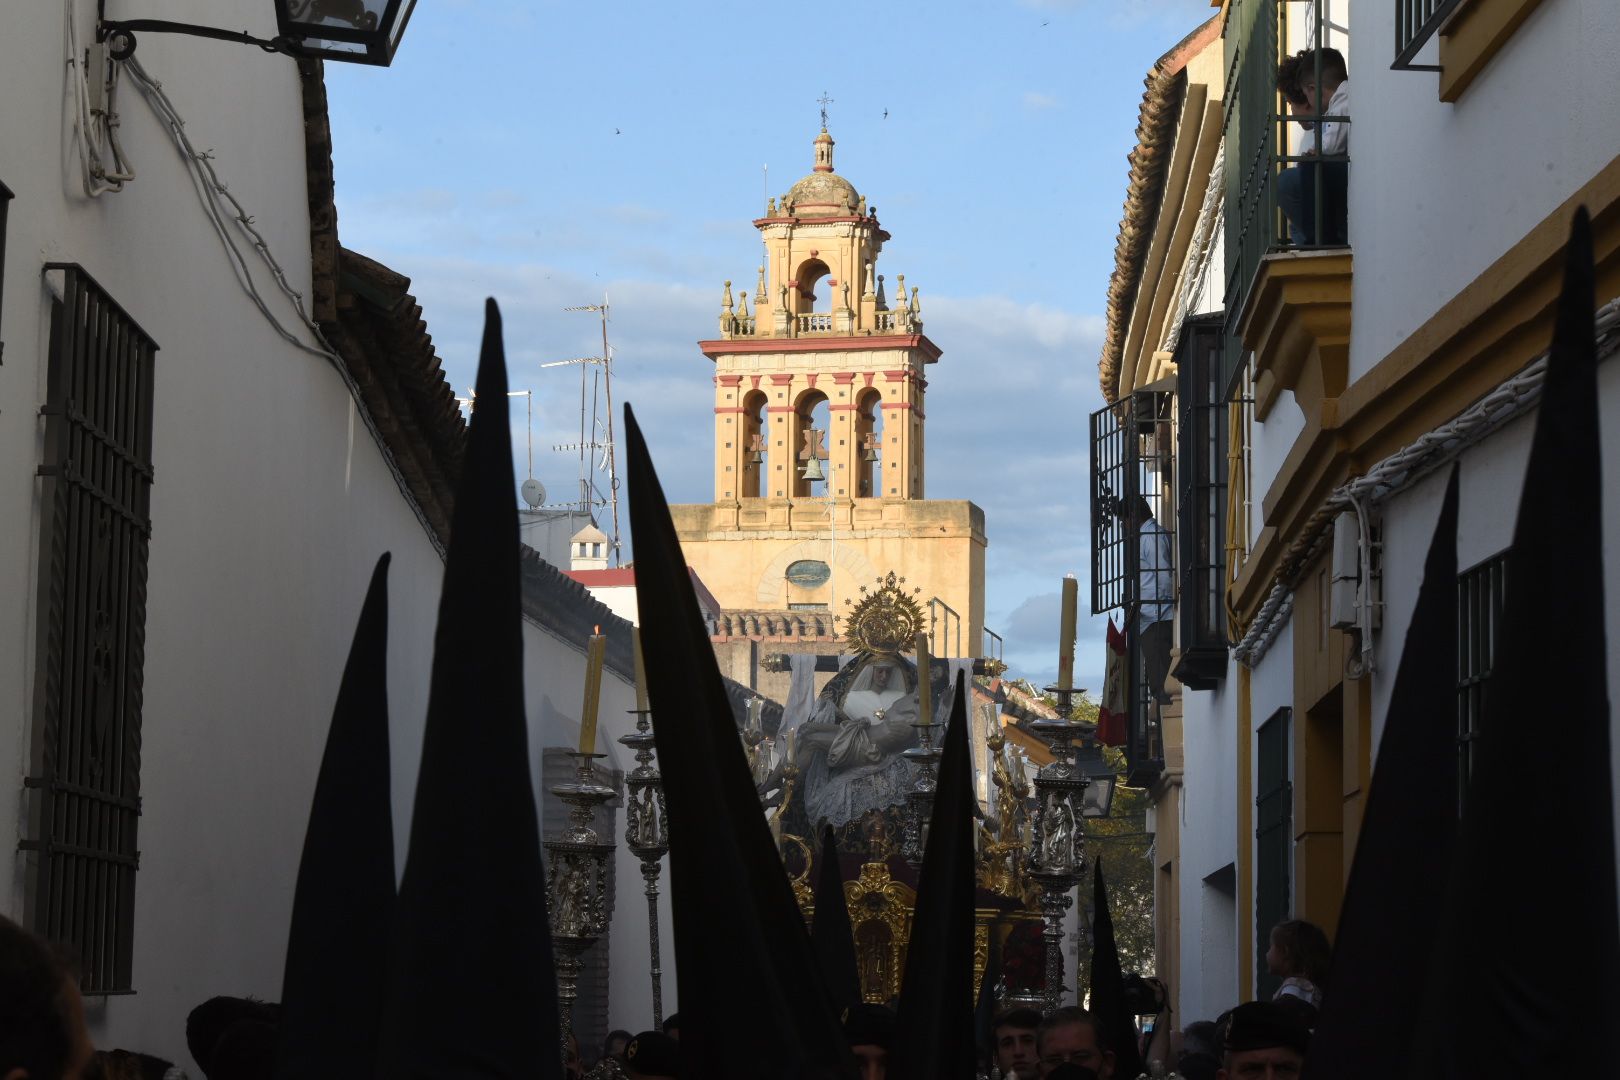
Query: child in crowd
x,y
1299,953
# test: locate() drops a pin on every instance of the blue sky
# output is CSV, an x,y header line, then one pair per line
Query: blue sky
x,y
545,153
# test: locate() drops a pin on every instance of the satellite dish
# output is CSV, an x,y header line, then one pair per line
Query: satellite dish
x,y
534,493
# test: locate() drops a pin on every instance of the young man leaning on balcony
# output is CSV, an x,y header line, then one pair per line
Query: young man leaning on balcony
x,y
1305,92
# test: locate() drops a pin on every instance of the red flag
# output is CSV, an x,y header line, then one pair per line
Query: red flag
x,y
1111,714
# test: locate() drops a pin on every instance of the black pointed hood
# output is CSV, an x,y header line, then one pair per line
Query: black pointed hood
x,y
1368,1017
343,907
1115,1019
832,933
473,988
933,1038
738,931
1529,935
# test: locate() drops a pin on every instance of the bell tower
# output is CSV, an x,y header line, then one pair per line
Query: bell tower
x,y
819,410
821,331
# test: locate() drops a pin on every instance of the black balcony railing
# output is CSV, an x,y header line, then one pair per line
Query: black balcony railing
x,y
1262,171
1416,21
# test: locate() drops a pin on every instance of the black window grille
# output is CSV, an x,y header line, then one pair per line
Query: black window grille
x,y
1416,22
1481,592
1203,430
85,781
1273,841
1133,554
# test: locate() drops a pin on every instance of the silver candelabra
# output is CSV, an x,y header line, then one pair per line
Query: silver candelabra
x,y
646,834
1057,837
920,799
577,880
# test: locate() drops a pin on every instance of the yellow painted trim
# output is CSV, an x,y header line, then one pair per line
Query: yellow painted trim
x,y
1474,35
1489,331
1296,319
1245,836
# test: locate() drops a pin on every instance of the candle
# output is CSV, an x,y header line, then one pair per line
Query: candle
x,y
641,670
787,747
1071,595
925,682
595,651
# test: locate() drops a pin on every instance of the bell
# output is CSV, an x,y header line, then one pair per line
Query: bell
x,y
756,456
871,454
813,471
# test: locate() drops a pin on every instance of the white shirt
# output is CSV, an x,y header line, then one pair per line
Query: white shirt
x,y
1156,575
1335,134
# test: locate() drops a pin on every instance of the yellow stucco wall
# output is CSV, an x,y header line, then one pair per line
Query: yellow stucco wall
x,y
741,550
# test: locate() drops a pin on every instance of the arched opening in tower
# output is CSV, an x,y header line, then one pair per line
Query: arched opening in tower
x,y
811,275
869,443
810,413
756,444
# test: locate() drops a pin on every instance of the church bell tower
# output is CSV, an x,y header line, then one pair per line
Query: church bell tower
x,y
820,376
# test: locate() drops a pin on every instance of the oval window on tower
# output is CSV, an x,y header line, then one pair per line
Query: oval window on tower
x,y
809,573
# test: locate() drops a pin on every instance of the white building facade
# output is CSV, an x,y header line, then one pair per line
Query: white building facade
x,y
178,654
1339,360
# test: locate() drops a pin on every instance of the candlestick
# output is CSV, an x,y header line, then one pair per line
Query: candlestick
x,y
595,651
925,681
1071,595
641,670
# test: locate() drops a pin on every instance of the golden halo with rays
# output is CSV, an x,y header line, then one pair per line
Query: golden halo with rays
x,y
886,620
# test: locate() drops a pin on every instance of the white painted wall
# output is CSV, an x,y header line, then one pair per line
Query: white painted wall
x,y
1438,192
267,519
1208,842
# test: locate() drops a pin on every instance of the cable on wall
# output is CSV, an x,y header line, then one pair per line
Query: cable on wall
x,y
231,222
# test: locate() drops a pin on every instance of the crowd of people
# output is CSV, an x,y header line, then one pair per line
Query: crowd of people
x,y
43,1034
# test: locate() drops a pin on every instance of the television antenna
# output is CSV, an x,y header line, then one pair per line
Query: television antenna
x,y
531,485
595,445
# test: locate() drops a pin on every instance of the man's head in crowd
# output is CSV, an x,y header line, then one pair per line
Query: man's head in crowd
x,y
1013,1037
868,1029
208,1023
1263,1042
1069,1037
672,1026
652,1055
613,1046
42,1031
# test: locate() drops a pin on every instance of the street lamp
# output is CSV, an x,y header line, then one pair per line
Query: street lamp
x,y
355,31
1099,793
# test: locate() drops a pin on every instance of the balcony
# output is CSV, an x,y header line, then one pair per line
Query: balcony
x,y
866,320
1287,222
1272,145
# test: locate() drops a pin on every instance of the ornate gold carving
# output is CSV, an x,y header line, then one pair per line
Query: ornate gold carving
x,y
880,915
801,882
885,621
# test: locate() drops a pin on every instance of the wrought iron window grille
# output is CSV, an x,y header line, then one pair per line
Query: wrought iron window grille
x,y
1132,465
1481,593
84,783
1416,23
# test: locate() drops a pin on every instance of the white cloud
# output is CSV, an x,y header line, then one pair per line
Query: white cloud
x,y
1035,100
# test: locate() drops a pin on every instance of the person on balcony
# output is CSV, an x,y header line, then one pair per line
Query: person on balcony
x,y
1156,594
1307,80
